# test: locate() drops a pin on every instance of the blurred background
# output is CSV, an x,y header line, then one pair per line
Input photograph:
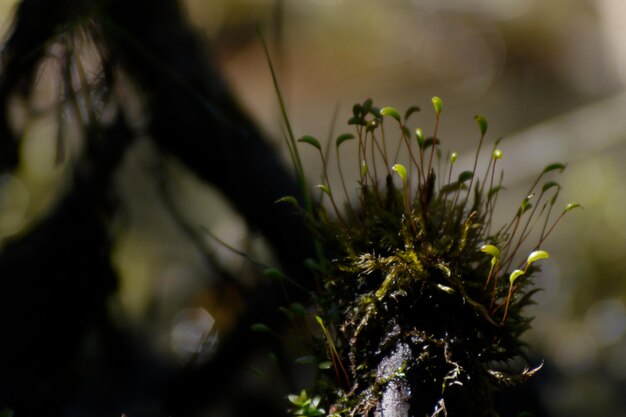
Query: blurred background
x,y
549,76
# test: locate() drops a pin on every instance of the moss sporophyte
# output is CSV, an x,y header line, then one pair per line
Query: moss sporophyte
x,y
421,298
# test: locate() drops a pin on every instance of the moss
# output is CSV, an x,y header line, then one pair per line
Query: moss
x,y
420,315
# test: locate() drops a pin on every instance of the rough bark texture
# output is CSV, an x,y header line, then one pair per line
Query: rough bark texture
x,y
395,398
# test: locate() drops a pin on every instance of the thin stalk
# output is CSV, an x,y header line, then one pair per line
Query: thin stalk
x,y
480,144
489,166
374,178
407,141
330,194
432,152
421,166
523,234
545,224
544,237
361,157
252,260
492,203
334,355
439,166
291,140
384,146
381,150
343,183
331,130
444,200
505,250
495,286
407,204
399,145
530,192
508,299
490,274
450,173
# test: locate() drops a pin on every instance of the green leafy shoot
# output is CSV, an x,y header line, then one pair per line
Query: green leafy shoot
x,y
391,112
311,141
515,275
535,256
343,138
410,111
305,406
482,124
288,199
555,166
491,250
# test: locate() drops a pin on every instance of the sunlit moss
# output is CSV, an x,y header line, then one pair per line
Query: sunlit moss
x,y
415,277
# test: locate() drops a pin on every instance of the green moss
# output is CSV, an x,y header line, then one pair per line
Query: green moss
x,y
403,271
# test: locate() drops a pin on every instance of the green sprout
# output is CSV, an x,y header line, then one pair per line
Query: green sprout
x,y
305,406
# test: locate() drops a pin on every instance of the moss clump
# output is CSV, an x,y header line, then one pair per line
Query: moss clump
x,y
421,303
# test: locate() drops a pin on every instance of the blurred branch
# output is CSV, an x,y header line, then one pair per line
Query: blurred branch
x,y
194,117
58,275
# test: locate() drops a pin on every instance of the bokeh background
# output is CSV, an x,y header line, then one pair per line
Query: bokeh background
x,y
549,76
